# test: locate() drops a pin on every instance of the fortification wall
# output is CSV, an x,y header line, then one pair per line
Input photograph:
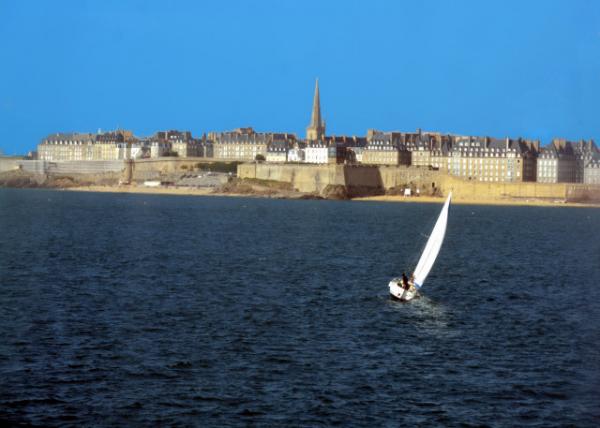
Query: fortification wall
x,y
400,176
165,165
155,168
465,189
583,192
63,167
84,167
314,178
304,178
8,164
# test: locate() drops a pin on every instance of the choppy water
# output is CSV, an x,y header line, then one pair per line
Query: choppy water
x,y
137,310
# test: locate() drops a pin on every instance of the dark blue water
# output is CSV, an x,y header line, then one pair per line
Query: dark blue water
x,y
121,310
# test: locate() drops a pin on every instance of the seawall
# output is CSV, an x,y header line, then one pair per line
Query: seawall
x,y
314,178
373,179
63,167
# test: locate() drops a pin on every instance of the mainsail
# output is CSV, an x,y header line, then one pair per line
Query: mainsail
x,y
433,246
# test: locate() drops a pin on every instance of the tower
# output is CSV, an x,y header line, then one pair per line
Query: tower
x,y
316,129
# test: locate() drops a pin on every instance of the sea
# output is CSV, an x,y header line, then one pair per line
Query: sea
x,y
157,310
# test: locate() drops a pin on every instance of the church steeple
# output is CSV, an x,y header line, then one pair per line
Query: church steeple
x,y
316,129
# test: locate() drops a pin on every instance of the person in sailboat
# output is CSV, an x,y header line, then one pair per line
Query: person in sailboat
x,y
405,283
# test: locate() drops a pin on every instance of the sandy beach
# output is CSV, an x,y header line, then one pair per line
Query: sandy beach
x,y
187,191
146,190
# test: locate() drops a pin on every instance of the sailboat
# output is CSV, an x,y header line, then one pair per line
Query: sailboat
x,y
430,253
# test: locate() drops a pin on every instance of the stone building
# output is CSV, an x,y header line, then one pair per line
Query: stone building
x,y
557,163
440,154
491,159
159,148
207,148
591,171
277,150
279,146
355,149
174,142
584,152
66,146
385,148
187,149
339,148
277,154
244,144
138,150
113,145
316,152
297,152
427,149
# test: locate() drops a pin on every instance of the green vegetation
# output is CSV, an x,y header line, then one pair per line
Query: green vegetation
x,y
271,184
253,186
218,166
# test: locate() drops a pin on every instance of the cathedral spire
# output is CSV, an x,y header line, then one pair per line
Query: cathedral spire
x,y
315,119
316,129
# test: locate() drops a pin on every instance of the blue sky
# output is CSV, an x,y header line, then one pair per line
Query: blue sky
x,y
498,68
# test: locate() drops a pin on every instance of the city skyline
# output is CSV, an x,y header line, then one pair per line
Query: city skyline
x,y
501,70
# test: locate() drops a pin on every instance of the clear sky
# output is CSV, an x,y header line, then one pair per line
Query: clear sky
x,y
498,68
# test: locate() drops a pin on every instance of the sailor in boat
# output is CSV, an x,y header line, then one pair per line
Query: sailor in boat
x,y
405,283
432,248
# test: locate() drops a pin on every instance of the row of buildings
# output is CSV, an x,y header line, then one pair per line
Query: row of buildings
x,y
118,145
470,157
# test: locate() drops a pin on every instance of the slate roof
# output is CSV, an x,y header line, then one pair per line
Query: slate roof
x,y
381,142
346,141
558,149
249,136
585,149
593,163
110,137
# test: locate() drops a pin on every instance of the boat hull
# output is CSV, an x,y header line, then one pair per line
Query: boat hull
x,y
400,293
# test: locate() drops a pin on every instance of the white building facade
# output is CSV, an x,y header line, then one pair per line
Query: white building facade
x,y
316,153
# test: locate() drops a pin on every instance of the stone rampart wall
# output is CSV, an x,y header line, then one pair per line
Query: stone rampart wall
x,y
465,189
85,167
583,192
8,164
63,167
314,178
155,168
399,176
304,178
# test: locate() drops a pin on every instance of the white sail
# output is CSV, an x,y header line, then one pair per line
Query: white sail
x,y
433,246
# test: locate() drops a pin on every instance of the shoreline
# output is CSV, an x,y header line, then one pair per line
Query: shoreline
x,y
178,191
525,202
184,191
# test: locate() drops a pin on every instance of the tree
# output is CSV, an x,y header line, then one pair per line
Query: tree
x,y
259,157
